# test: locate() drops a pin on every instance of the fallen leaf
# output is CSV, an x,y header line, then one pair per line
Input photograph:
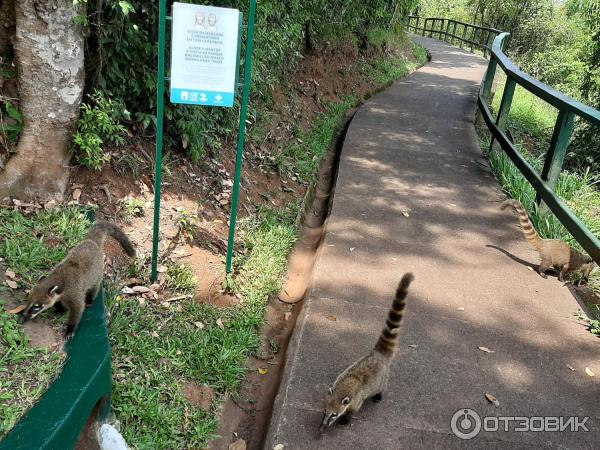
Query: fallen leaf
x,y
462,308
140,289
220,323
413,345
589,372
278,447
127,290
405,214
199,325
154,334
161,269
240,444
263,371
141,301
10,274
12,284
530,268
571,368
485,349
490,398
287,315
332,318
352,249
18,309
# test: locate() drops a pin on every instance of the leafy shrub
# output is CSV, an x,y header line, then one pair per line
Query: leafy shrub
x,y
99,123
122,50
14,129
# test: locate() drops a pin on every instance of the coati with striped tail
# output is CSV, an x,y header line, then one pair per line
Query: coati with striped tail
x,y
554,253
75,282
368,377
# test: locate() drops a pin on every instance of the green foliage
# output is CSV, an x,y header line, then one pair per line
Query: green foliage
x,y
99,123
556,42
12,130
181,279
122,52
131,207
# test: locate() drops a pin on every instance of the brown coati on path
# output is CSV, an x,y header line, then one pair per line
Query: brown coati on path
x,y
75,282
554,253
367,377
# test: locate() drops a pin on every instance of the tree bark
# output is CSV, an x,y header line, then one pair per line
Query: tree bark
x,y
7,25
49,52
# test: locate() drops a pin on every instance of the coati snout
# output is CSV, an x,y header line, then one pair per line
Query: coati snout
x,y
40,299
334,409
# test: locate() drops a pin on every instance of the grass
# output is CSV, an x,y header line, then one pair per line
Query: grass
x,y
181,279
36,367
33,244
30,246
531,122
157,349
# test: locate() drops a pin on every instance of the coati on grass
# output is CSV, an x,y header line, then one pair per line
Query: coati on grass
x,y
554,253
75,282
368,377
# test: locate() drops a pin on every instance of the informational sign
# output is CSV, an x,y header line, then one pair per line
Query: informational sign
x,y
204,55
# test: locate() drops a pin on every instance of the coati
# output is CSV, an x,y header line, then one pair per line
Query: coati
x,y
368,377
554,253
75,282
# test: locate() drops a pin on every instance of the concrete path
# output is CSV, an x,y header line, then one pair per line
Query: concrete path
x,y
413,149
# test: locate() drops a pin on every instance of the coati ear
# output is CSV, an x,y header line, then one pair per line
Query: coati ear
x,y
54,290
345,400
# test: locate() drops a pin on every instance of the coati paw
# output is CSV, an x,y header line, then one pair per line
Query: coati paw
x,y
69,332
543,275
377,397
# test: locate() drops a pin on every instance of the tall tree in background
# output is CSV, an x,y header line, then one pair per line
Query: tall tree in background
x,y
49,56
586,144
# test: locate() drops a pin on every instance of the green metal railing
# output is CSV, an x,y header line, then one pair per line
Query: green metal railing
x,y
455,32
568,108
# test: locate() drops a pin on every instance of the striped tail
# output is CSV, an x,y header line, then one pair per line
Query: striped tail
x,y
526,225
100,230
386,345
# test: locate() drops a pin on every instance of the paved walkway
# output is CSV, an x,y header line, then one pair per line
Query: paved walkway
x,y
413,149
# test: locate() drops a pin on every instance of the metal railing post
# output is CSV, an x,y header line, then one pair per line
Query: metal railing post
x,y
462,40
555,156
488,81
160,106
453,33
241,135
507,96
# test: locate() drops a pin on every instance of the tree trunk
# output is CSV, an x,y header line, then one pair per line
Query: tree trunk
x,y
7,25
49,52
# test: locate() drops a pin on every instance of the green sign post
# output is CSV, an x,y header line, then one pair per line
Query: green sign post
x,y
204,73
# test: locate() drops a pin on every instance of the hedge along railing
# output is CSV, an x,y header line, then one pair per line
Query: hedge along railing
x,y
451,31
568,109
